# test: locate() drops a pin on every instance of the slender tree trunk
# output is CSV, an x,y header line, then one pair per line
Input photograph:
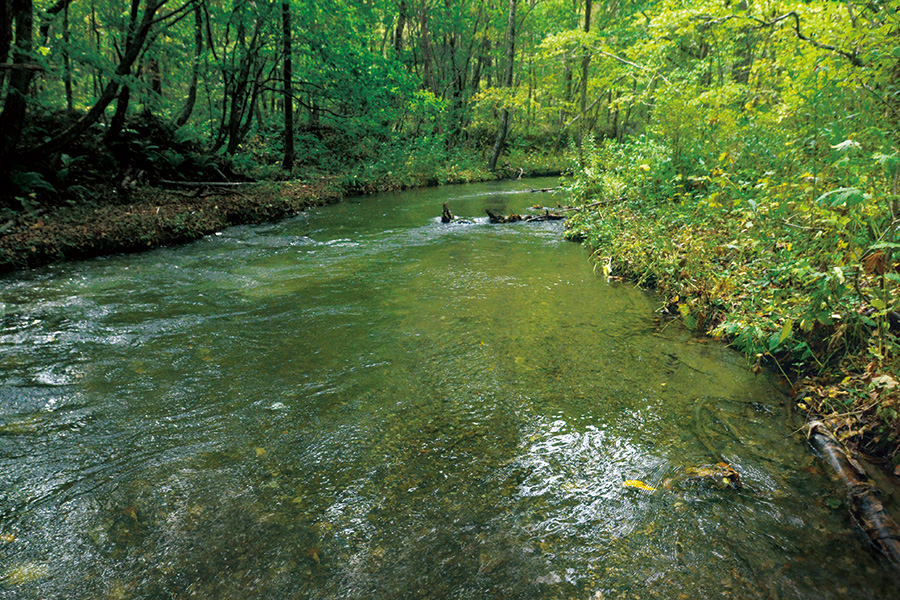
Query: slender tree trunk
x,y
567,78
67,64
426,51
95,75
585,64
507,83
12,119
156,78
401,25
188,109
6,36
313,117
288,162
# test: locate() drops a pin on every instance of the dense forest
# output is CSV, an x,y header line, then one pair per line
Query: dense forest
x,y
743,155
409,92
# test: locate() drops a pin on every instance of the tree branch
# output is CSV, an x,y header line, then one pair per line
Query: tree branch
x,y
852,57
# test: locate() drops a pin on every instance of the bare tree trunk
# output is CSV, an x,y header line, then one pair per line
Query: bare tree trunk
x,y
288,162
480,64
156,77
507,82
567,77
95,75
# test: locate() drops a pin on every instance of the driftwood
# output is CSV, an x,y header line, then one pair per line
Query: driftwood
x,y
545,190
862,495
494,218
513,218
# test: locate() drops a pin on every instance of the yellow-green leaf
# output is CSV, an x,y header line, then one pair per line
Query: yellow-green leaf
x,y
634,483
786,330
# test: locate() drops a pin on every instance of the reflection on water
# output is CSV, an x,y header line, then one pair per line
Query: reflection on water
x,y
364,403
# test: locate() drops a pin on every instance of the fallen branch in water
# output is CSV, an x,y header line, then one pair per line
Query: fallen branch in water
x,y
862,495
500,219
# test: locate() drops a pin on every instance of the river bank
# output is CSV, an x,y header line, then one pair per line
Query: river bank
x,y
763,287
149,217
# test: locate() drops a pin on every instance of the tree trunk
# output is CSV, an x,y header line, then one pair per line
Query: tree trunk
x,y
288,162
401,24
480,64
156,78
67,64
585,63
6,36
96,82
426,51
188,109
124,98
118,120
507,83
12,119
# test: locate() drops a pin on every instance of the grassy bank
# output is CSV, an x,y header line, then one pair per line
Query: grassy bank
x,y
796,272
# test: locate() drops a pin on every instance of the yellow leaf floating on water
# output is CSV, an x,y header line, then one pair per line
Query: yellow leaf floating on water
x,y
634,483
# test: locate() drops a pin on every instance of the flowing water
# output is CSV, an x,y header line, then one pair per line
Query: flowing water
x,y
364,403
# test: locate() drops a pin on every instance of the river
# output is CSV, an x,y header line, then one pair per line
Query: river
x,y
364,403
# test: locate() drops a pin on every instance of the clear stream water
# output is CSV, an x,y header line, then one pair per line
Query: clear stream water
x,y
364,403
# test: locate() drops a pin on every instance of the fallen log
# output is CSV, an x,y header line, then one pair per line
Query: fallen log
x,y
862,495
513,218
495,218
205,184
